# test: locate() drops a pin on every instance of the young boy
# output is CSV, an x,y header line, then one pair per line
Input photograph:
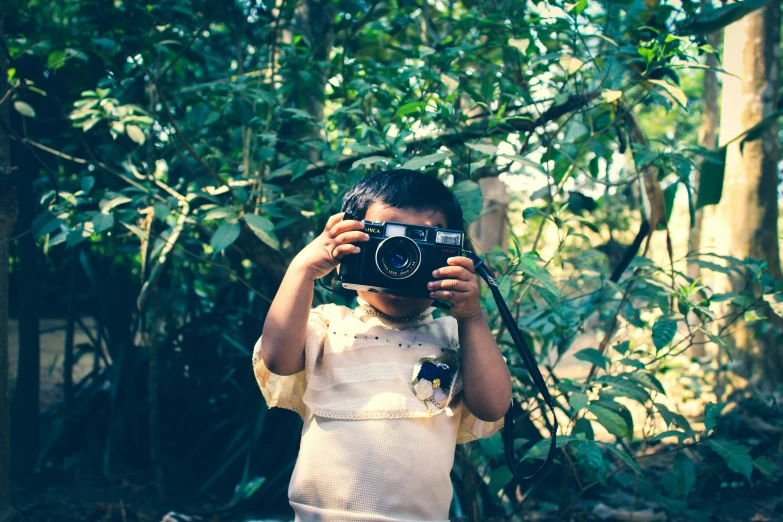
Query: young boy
x,y
385,390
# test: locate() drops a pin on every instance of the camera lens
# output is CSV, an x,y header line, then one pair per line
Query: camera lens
x,y
398,257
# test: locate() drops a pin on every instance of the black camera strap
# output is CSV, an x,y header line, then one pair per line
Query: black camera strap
x,y
532,369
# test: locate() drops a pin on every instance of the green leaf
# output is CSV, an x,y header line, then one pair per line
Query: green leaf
x,y
103,222
711,414
468,194
711,181
161,209
593,356
370,160
24,109
712,19
717,340
578,401
685,473
484,148
409,108
135,133
87,183
753,316
758,130
243,109
226,234
218,213
504,286
622,348
610,420
540,448
263,228
736,455
111,200
529,212
625,457
498,479
524,161
663,332
589,457
766,467
422,161
649,381
298,168
669,194
675,91
45,223
681,435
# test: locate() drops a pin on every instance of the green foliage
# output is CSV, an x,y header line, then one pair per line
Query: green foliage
x,y
735,455
221,145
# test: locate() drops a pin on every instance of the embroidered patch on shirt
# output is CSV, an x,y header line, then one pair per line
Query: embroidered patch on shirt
x,y
433,378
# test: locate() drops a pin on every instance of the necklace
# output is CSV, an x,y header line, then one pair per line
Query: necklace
x,y
373,311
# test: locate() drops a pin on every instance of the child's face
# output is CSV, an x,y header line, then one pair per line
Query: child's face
x,y
394,305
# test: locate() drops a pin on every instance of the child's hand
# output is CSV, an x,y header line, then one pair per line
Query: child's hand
x,y
461,288
324,253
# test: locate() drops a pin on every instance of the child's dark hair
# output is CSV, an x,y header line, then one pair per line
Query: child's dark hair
x,y
406,190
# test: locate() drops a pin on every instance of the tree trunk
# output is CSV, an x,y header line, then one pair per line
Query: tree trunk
x,y
70,332
315,22
748,210
7,220
25,403
491,229
708,137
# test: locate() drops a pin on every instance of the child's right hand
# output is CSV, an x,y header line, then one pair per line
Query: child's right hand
x,y
324,253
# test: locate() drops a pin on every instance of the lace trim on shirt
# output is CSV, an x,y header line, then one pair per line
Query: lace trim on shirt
x,y
357,374
381,406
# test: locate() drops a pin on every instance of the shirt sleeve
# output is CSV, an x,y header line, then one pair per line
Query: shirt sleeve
x,y
287,391
470,426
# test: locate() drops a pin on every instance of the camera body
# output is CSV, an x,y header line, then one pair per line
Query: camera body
x,y
399,258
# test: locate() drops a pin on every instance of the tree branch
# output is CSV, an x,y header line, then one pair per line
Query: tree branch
x,y
479,130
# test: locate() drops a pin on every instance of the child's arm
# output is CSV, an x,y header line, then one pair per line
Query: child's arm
x,y
285,328
487,381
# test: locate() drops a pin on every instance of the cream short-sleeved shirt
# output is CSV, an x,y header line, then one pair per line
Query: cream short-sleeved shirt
x,y
372,448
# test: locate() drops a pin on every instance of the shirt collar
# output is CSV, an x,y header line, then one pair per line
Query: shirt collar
x,y
361,311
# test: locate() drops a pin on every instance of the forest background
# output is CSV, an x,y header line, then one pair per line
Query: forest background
x,y
162,161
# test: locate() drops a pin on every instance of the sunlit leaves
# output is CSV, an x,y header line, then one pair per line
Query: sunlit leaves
x,y
224,236
423,161
675,91
610,420
593,356
263,229
24,108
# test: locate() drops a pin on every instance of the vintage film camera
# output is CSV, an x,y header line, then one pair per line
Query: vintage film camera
x,y
399,258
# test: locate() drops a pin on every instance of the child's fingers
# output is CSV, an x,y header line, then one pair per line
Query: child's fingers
x,y
462,261
345,226
343,250
449,295
450,284
454,272
333,220
354,236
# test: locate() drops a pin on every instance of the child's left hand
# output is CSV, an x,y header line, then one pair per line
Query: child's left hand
x,y
461,288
